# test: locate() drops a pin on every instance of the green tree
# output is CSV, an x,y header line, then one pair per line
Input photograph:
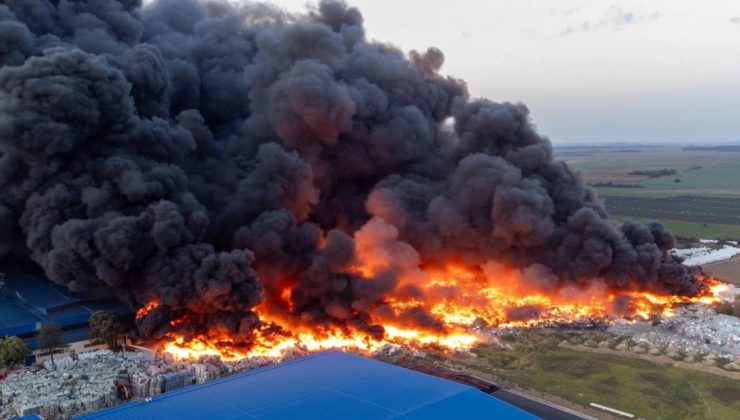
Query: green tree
x,y
13,351
50,338
107,327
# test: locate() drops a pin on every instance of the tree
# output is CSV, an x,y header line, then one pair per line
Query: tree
x,y
13,351
107,327
50,338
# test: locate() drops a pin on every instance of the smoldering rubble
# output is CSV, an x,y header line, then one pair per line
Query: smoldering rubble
x,y
207,155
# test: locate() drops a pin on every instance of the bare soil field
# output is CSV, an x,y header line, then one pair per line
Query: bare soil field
x,y
728,270
616,176
610,160
689,208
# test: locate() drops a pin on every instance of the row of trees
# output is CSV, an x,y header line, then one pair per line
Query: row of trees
x,y
104,326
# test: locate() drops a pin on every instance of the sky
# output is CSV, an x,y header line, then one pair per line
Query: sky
x,y
590,71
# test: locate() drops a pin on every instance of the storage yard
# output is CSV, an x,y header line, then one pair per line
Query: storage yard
x,y
96,380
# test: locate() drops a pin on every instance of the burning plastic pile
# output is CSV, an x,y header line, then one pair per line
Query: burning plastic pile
x,y
472,324
252,178
691,330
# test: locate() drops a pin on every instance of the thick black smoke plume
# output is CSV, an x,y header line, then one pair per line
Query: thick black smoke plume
x,y
206,155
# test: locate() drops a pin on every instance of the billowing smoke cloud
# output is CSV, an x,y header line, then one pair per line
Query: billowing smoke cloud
x,y
210,155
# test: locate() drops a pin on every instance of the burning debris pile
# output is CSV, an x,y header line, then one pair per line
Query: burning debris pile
x,y
251,178
691,330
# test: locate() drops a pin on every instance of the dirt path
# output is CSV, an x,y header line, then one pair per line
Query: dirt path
x,y
660,360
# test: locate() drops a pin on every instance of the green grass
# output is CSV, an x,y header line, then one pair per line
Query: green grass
x,y
643,388
692,229
636,386
705,181
717,179
648,159
719,175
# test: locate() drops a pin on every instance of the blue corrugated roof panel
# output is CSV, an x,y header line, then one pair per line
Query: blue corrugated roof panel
x,y
326,385
71,316
29,300
68,337
108,305
36,291
12,314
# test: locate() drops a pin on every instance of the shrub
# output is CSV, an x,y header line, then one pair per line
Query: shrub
x,y
13,351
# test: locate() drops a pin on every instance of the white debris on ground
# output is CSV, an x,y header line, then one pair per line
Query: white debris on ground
x,y
716,241
87,384
705,254
68,361
694,329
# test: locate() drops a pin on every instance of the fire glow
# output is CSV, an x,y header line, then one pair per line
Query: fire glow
x,y
290,183
462,300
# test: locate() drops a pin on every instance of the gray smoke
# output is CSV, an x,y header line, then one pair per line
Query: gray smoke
x,y
208,155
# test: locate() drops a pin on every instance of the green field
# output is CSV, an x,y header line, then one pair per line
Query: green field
x,y
645,389
636,386
701,173
692,229
720,180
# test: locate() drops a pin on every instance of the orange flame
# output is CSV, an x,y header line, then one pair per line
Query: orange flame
x,y
460,298
143,311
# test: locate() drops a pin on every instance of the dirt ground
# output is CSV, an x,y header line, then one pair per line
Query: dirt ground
x,y
728,270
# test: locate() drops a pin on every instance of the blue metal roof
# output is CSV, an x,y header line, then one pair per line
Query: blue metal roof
x,y
29,300
327,385
68,336
34,289
12,314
